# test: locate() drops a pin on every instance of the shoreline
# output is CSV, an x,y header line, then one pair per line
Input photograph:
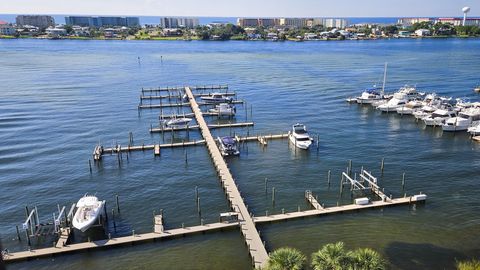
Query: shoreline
x,y
266,40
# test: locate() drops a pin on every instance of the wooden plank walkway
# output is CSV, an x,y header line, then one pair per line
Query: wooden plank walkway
x,y
180,96
210,126
181,88
336,209
181,104
252,238
26,255
312,200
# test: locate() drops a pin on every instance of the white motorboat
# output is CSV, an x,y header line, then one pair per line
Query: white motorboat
x,y
177,122
465,119
88,211
228,146
399,99
216,98
370,95
224,109
410,107
300,137
477,89
475,129
424,111
438,117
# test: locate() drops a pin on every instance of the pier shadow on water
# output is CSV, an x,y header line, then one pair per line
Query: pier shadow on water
x,y
425,256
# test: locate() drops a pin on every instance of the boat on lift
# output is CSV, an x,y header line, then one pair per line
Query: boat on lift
x,y
216,98
88,211
228,146
224,109
300,137
177,122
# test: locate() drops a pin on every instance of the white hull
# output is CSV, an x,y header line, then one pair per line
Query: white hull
x,y
300,144
88,211
453,128
385,108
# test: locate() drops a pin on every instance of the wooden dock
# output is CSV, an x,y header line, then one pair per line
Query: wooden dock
x,y
338,209
312,200
62,246
182,88
252,238
210,126
134,238
182,104
147,97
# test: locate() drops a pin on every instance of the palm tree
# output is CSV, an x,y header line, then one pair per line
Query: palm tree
x,y
286,259
468,265
330,257
366,259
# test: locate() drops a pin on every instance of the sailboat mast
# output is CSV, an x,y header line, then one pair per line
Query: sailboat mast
x,y
384,79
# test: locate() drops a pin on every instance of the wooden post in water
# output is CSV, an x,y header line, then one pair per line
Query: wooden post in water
x,y
118,205
113,219
266,181
349,170
18,233
273,196
403,182
328,177
196,194
198,206
90,165
382,165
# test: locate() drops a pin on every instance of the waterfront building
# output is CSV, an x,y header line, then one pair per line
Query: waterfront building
x,y
405,22
6,29
174,22
256,22
459,21
40,21
335,23
55,31
422,32
90,21
293,22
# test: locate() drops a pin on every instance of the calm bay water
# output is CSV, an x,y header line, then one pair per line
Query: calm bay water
x,y
60,98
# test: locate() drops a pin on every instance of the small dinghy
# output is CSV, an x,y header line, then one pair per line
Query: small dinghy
x,y
88,211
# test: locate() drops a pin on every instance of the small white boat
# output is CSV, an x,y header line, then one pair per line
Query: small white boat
x,y
300,137
438,117
475,129
177,122
410,107
424,111
88,211
228,146
216,98
477,89
465,119
370,95
224,109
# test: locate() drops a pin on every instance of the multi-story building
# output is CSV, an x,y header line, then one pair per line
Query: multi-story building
x,y
174,22
89,21
6,29
412,21
335,23
294,22
255,22
40,21
459,21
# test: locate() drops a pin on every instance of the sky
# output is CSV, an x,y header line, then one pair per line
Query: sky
x,y
244,8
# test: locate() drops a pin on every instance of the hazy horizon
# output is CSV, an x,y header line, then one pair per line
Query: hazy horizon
x,y
247,8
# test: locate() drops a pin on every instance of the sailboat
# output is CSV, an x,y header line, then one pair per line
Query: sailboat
x,y
372,95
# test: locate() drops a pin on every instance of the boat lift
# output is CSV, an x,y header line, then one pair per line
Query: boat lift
x,y
366,182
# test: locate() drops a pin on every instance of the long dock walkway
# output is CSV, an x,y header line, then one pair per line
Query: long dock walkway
x,y
61,249
210,126
181,104
254,242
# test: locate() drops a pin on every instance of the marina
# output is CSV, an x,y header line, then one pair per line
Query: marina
x,y
51,129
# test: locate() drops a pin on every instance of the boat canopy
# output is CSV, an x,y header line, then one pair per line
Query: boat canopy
x,y
228,140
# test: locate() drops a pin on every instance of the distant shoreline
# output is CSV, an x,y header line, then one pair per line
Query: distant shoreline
x,y
249,40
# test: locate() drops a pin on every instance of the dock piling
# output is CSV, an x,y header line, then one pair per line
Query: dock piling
x,y
403,182
90,165
118,205
273,196
18,233
266,181
382,165
328,177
